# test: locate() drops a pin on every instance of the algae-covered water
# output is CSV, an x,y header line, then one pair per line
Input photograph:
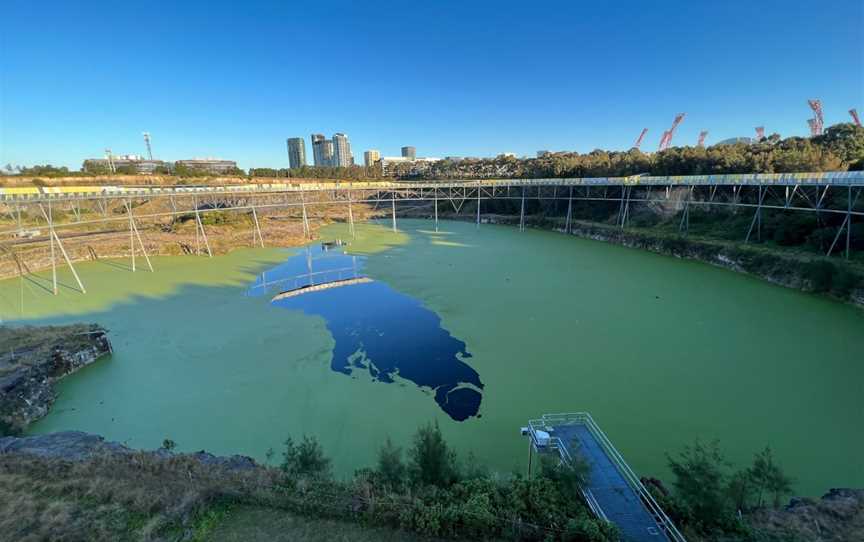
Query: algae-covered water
x,y
477,328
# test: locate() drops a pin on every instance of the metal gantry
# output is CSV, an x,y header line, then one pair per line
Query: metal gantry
x,y
835,195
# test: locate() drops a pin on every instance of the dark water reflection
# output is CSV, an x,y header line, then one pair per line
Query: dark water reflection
x,y
379,330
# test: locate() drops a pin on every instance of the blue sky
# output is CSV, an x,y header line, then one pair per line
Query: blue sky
x,y
234,80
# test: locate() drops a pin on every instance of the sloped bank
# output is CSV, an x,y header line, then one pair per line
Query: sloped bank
x,y
32,359
816,276
810,274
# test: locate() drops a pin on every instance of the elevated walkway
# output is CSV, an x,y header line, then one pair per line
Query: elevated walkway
x,y
611,489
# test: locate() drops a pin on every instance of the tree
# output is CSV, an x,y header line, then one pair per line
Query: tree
x,y
740,489
767,477
390,466
432,461
700,481
306,459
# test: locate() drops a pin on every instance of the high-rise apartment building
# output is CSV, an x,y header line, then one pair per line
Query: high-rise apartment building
x,y
318,149
370,157
296,152
341,150
409,152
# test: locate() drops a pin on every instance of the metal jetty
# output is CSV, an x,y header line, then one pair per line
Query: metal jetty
x,y
612,490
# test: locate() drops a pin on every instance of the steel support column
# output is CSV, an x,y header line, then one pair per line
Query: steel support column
x,y
257,227
569,212
522,212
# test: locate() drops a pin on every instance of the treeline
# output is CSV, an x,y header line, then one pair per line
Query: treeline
x,y
427,489
320,172
840,148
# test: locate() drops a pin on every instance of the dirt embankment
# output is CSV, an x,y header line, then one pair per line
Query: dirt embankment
x,y
90,237
32,359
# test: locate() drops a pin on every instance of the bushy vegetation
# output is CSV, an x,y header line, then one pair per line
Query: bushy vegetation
x,y
709,496
430,491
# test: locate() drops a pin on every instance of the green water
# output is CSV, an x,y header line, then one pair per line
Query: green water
x,y
660,351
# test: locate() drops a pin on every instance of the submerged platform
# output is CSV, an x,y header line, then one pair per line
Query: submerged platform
x,y
611,489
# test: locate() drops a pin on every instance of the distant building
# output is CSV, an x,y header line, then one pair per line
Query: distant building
x,y
123,163
322,150
541,154
370,157
506,155
409,152
342,156
216,166
296,152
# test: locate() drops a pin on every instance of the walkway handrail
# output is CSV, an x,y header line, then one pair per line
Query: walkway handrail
x,y
585,418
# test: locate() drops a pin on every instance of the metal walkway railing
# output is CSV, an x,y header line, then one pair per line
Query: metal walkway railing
x,y
558,424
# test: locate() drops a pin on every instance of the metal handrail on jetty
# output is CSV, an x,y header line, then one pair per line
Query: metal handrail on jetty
x,y
542,434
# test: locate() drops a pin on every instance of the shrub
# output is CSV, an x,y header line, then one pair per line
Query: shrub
x,y
819,274
306,459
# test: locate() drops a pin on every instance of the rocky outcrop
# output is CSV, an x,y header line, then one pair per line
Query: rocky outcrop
x,y
837,516
80,446
32,359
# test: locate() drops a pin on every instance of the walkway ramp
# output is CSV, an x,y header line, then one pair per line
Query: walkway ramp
x,y
612,490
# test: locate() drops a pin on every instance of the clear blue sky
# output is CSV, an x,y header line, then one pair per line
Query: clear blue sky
x,y
473,78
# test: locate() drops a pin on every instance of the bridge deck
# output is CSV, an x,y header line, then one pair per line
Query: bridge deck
x,y
619,502
612,490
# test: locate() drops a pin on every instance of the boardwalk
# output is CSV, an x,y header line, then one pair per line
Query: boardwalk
x,y
318,287
612,490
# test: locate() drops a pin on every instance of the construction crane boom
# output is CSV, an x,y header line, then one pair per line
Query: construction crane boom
x,y
816,106
147,143
855,118
666,142
640,138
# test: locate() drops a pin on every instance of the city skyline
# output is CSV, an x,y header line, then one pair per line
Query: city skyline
x,y
633,67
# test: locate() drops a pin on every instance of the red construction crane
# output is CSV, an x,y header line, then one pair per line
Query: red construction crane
x,y
702,135
678,118
855,117
760,133
816,106
663,139
640,138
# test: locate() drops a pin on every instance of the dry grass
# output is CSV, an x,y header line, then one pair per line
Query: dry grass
x,y
137,496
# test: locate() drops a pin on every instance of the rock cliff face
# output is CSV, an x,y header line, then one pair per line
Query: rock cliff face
x,y
80,446
837,516
32,359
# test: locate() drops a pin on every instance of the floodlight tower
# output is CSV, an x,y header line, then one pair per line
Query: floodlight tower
x,y
642,136
702,135
147,142
855,118
816,106
760,133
